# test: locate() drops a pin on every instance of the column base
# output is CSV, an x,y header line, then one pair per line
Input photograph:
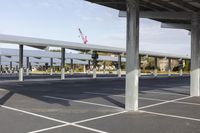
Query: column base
x,y
94,73
21,74
62,73
119,73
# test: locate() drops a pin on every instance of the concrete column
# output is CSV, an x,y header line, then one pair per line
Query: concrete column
x,y
21,54
27,66
132,51
62,63
119,66
84,68
195,56
51,66
156,67
181,72
71,67
169,67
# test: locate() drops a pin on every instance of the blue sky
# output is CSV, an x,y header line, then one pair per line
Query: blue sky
x,y
60,20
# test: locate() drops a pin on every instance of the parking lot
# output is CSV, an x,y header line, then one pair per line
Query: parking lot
x,y
97,105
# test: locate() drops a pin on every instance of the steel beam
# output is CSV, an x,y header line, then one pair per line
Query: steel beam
x,y
21,54
132,50
176,26
169,67
155,73
0,65
195,56
10,66
94,68
181,70
71,67
62,63
104,67
119,66
161,15
51,66
88,72
27,66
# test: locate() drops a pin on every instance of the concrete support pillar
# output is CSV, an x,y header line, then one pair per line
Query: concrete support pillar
x,y
181,72
169,67
27,66
119,66
51,66
62,63
71,67
195,56
84,68
132,51
21,54
94,69
155,73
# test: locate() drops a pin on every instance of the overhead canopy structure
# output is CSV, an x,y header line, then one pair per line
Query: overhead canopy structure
x,y
166,11
45,54
176,14
172,13
38,42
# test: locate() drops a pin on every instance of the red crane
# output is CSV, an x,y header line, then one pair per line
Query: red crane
x,y
83,37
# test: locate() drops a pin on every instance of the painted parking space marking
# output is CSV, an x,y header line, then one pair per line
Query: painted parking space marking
x,y
157,92
49,128
170,101
173,116
52,119
34,114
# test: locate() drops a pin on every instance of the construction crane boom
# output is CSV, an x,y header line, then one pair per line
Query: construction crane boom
x,y
83,37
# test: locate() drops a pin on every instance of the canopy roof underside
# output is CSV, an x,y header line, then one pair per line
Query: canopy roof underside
x,y
161,6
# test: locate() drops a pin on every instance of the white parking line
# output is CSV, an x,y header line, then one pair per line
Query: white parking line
x,y
34,114
196,104
78,101
168,115
88,128
152,105
163,93
100,117
3,89
157,92
53,119
50,128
